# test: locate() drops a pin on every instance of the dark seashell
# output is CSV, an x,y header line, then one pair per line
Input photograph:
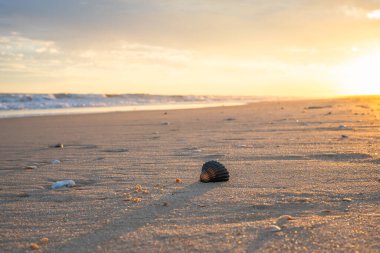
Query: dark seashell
x,y
58,145
213,171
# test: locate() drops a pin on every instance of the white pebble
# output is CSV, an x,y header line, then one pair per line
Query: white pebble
x,y
56,162
63,183
282,220
274,228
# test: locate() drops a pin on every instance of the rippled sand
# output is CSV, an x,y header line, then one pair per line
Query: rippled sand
x,y
316,161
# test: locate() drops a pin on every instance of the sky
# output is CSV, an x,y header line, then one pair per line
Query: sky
x,y
218,47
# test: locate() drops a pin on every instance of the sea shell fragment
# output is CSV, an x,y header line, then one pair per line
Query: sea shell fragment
x,y
213,171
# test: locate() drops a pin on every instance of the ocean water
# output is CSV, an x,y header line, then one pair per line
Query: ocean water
x,y
22,105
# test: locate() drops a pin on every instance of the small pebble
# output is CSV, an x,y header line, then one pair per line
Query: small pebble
x,y
274,228
178,181
136,200
304,200
282,220
165,123
347,199
138,188
30,167
59,145
55,161
344,136
44,240
35,246
342,127
230,119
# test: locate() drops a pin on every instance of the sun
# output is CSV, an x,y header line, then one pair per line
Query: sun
x,y
361,76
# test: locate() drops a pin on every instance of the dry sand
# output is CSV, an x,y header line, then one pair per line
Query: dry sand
x,y
317,161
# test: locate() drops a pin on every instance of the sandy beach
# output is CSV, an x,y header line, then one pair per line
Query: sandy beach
x,y
138,190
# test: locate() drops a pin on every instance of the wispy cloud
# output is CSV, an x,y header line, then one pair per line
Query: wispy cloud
x,y
374,14
22,54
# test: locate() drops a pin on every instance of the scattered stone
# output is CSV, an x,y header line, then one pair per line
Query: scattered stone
x,y
138,188
136,200
32,167
317,107
35,246
59,145
343,136
329,113
346,199
341,127
44,240
282,220
178,181
116,150
55,161
165,204
132,199
326,211
62,184
274,228
165,123
230,119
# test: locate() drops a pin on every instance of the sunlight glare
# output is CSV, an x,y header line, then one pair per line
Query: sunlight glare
x,y
362,75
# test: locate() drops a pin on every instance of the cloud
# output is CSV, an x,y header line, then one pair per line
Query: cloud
x,y
374,14
19,53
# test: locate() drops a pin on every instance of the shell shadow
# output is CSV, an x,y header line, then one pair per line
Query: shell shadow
x,y
136,219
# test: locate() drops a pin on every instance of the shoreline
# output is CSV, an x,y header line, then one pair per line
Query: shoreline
x,y
10,114
112,109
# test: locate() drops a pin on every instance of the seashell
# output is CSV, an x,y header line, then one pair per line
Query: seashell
x,y
213,171
282,220
346,199
274,228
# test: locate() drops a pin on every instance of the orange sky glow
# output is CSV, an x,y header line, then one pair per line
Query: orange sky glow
x,y
253,48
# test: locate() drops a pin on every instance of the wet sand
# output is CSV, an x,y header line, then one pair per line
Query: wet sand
x,y
316,161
